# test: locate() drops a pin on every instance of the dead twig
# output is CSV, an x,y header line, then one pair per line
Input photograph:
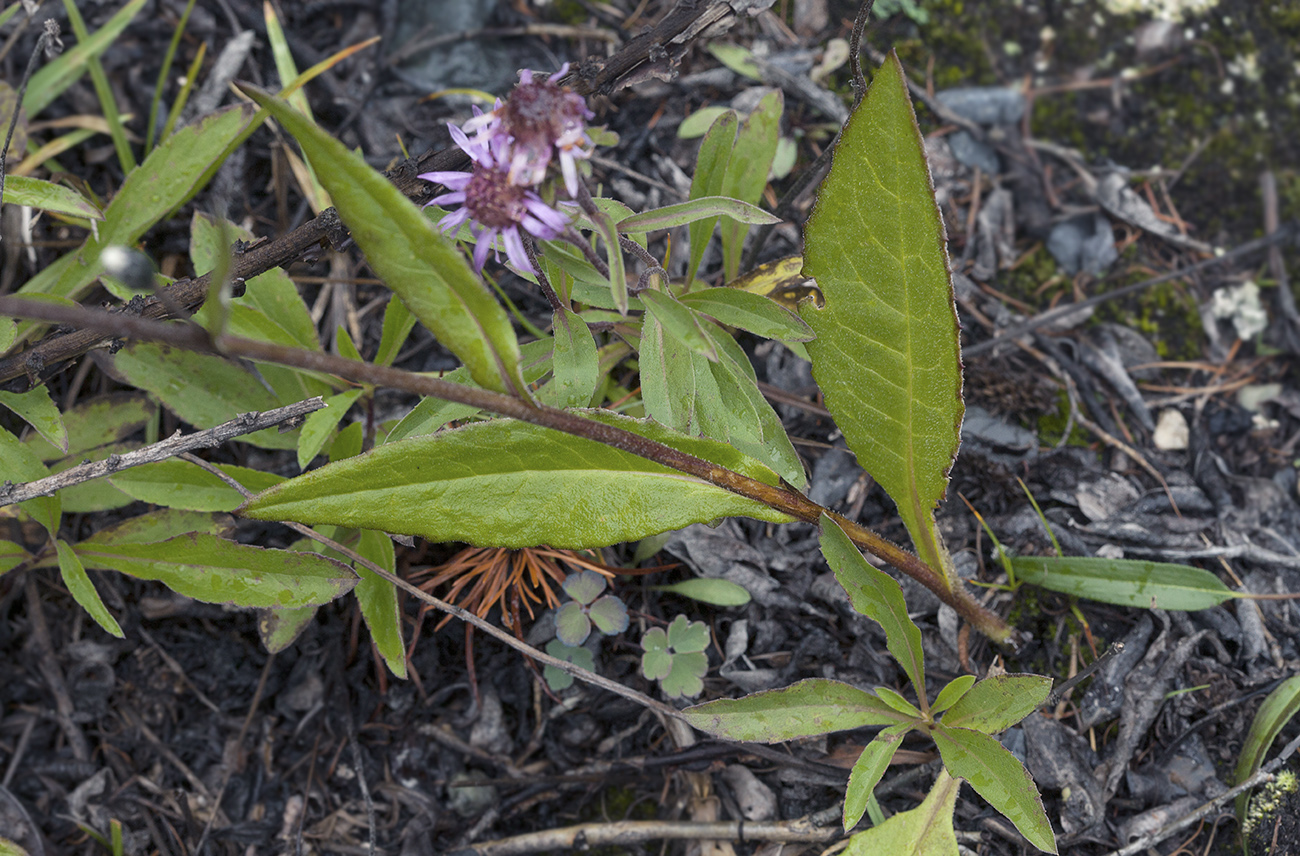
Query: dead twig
x,y
174,445
630,832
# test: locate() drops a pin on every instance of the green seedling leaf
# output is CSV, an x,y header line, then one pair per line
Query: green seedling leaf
x,y
47,196
584,587
996,775
575,363
710,174
99,421
159,526
11,556
496,483
671,216
572,625
868,769
580,657
83,590
214,570
1125,582
924,831
698,123
166,178
953,690
995,704
747,171
20,464
37,409
57,75
411,256
752,312
203,390
279,628
687,635
680,322
1277,710
804,709
878,596
319,426
707,590
897,702
181,484
609,614
886,352
378,600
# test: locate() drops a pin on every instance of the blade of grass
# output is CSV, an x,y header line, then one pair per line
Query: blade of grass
x,y
107,102
163,73
1041,517
183,97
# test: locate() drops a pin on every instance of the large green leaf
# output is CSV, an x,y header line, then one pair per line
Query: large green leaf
x,y
425,268
1281,706
202,389
868,769
511,484
804,709
886,352
923,831
996,775
998,702
668,377
1125,582
878,596
215,570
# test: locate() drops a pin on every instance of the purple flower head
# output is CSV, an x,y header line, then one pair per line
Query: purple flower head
x,y
538,120
492,204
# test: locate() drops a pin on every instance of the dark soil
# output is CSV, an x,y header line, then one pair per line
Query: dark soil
x,y
194,739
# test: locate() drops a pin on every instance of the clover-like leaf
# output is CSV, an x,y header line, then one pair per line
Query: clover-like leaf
x,y
584,587
656,662
684,635
609,614
572,626
578,656
686,676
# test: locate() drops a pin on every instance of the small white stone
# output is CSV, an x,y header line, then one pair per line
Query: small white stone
x,y
1171,431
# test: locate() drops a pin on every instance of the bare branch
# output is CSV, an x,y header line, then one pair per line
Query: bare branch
x,y
174,445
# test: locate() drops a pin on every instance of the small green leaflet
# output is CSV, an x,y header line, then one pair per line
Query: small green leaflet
x,y
1125,582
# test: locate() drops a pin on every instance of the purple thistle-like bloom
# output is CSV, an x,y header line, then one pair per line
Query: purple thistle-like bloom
x,y
492,204
539,119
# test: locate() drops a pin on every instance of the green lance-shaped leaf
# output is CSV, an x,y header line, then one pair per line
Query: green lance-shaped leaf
x,y
319,427
760,315
378,600
886,352
680,321
952,691
97,422
923,831
575,363
180,484
19,463
878,596
751,161
804,709
510,484
83,590
1125,582
671,216
159,526
710,173
996,775
1277,710
215,570
37,409
22,190
668,377
425,268
708,590
997,703
868,769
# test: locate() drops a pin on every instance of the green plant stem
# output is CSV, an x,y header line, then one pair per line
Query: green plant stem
x,y
781,498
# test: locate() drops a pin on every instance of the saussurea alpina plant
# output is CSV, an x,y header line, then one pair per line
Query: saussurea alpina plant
x,y
538,457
